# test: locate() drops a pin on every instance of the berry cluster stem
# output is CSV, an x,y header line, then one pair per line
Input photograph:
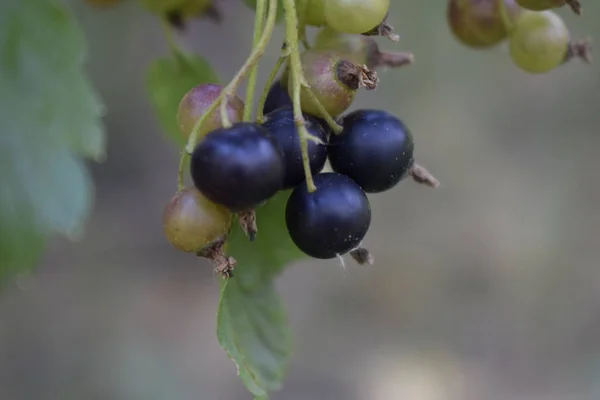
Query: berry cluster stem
x,y
297,81
260,115
255,56
508,26
258,28
231,88
335,127
173,48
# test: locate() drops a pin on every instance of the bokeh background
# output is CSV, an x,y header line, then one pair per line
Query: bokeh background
x,y
487,288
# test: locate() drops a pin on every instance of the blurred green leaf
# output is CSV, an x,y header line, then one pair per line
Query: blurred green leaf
x,y
49,118
252,5
251,321
168,79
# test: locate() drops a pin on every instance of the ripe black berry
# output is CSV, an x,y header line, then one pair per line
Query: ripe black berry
x,y
238,167
281,125
276,98
330,221
375,149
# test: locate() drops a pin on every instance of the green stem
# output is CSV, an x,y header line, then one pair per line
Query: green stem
x,y
302,34
182,162
173,48
232,86
260,116
508,26
254,57
258,27
256,54
335,127
297,80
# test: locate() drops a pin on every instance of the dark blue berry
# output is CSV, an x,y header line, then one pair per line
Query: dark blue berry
x,y
238,167
276,98
281,125
330,221
375,149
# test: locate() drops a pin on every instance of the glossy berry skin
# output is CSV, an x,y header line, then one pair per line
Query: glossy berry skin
x,y
238,167
191,221
355,16
375,149
322,72
197,101
277,97
539,42
280,124
479,23
330,221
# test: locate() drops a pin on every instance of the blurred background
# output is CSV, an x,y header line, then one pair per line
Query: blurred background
x,y
487,288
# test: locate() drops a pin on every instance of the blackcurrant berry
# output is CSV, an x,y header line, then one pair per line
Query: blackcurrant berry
x,y
358,49
333,81
330,221
276,98
541,5
197,101
375,149
238,167
479,23
310,12
191,221
282,126
540,41
355,16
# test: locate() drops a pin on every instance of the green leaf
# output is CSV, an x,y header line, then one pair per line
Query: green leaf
x,y
168,79
49,120
251,320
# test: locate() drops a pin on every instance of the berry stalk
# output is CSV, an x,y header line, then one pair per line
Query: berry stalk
x,y
297,80
252,60
230,89
508,26
258,28
169,35
335,127
260,116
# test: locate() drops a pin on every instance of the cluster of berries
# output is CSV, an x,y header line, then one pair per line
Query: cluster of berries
x,y
237,165
538,39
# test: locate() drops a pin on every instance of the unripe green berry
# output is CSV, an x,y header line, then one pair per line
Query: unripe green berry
x,y
197,101
310,12
359,49
539,42
191,222
333,80
355,16
479,23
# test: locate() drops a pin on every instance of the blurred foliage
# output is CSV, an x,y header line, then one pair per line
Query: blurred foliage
x,y
49,120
